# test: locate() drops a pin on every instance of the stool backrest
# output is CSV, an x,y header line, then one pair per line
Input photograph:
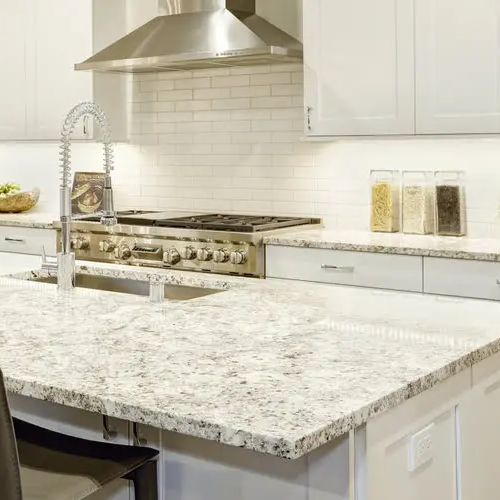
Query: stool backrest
x,y
10,480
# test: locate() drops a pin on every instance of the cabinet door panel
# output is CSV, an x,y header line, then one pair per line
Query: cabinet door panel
x,y
62,36
457,66
359,71
392,272
27,240
462,278
14,27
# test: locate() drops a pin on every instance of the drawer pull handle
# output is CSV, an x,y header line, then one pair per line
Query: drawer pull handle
x,y
340,269
15,240
498,281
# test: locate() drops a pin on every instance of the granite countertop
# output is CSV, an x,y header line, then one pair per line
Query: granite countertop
x,y
401,244
37,220
268,365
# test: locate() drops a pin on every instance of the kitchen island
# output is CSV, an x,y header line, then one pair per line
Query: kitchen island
x,y
268,389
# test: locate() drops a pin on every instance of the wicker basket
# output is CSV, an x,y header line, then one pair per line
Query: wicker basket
x,y
19,202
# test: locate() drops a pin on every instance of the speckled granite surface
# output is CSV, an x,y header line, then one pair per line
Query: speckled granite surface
x,y
272,366
402,244
38,220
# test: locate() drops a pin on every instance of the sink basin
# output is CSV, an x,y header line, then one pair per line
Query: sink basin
x,y
134,287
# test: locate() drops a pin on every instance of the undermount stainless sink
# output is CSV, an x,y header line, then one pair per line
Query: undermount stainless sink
x,y
130,286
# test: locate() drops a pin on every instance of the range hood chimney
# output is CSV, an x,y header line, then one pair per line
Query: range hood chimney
x,y
197,34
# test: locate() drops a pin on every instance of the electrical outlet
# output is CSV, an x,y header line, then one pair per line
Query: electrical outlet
x,y
420,448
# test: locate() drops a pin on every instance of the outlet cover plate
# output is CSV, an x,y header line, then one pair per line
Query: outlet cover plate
x,y
421,448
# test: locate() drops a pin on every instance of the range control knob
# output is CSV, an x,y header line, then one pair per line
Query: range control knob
x,y
123,252
106,246
221,255
79,243
172,257
238,257
204,254
188,253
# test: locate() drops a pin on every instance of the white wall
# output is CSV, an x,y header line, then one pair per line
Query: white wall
x,y
227,140
286,14
230,140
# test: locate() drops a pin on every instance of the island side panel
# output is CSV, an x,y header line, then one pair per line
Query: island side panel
x,y
193,468
388,439
330,471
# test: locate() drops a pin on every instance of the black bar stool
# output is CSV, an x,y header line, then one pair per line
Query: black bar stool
x,y
34,460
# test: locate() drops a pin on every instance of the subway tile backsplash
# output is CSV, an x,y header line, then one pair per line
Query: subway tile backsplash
x,y
231,140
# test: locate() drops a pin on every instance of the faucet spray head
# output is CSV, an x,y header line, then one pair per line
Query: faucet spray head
x,y
108,218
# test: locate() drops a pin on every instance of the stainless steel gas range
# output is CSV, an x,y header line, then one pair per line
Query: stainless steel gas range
x,y
219,243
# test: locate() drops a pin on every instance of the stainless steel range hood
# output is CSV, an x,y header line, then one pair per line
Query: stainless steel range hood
x,y
196,34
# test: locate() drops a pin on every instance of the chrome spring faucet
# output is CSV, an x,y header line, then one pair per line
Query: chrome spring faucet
x,y
66,259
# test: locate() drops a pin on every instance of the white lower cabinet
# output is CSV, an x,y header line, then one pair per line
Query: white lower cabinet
x,y
462,278
480,433
392,272
27,240
77,423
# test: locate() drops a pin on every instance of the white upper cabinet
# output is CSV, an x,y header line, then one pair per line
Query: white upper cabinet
x,y
457,58
41,41
359,67
393,67
62,36
13,30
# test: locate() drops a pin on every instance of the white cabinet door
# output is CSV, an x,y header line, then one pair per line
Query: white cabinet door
x,y
392,272
27,240
77,423
462,278
457,66
480,438
14,26
359,67
62,36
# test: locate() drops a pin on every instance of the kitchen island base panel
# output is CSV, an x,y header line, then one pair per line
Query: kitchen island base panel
x,y
388,436
192,468
369,463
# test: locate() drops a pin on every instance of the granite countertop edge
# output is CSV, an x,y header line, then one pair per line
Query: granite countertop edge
x,y
400,248
28,220
274,445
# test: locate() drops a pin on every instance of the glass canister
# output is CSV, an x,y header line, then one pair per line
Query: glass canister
x,y
450,203
418,202
385,203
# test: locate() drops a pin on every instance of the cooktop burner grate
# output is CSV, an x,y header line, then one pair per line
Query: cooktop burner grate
x,y
233,223
208,222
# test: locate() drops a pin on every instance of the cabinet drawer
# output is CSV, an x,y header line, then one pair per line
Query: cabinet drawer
x,y
27,240
392,272
462,278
